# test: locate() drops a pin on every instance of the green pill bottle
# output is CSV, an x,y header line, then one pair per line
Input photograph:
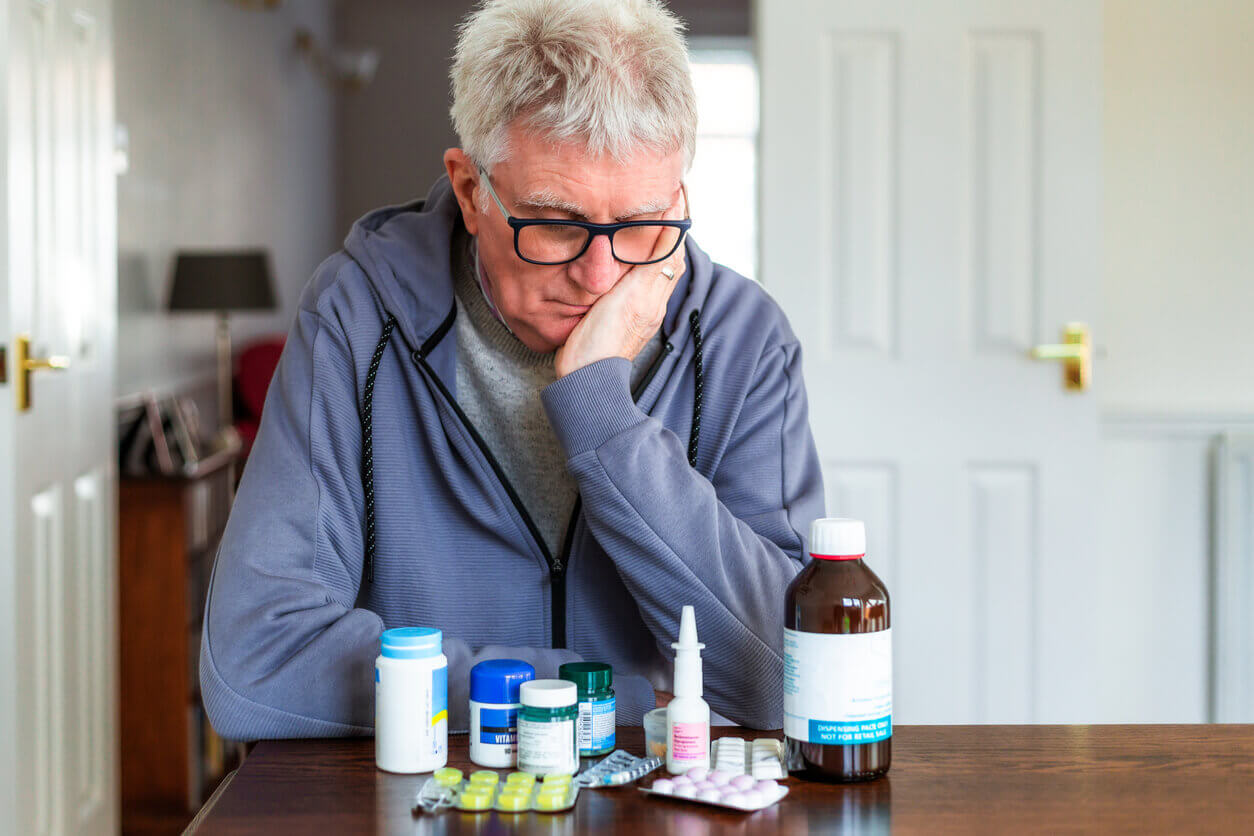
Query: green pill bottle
x,y
595,728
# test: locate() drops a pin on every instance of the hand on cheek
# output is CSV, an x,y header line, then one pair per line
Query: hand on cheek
x,y
622,321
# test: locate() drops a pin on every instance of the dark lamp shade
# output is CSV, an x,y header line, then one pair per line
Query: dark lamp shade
x,y
223,281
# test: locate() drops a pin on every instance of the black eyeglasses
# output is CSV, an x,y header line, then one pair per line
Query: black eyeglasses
x,y
551,241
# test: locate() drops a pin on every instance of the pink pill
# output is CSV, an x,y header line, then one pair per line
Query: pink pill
x,y
735,799
665,785
719,777
728,790
710,795
743,782
698,773
682,781
753,799
685,791
767,787
706,785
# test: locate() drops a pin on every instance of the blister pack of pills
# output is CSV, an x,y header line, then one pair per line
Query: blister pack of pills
x,y
484,790
720,789
762,758
617,768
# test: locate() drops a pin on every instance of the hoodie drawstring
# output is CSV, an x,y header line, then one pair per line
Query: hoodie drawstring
x,y
367,442
698,383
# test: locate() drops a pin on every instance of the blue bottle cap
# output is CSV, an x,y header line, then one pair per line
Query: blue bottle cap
x,y
411,642
497,681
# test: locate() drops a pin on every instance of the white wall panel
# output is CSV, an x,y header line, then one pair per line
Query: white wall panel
x,y
1151,618
232,144
1232,578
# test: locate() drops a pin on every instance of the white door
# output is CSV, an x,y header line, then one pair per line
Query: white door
x,y
929,200
57,475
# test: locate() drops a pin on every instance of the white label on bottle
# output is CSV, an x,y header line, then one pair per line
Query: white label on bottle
x,y
596,726
547,748
838,688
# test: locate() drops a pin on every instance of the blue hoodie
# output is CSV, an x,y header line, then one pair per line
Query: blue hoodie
x,y
369,502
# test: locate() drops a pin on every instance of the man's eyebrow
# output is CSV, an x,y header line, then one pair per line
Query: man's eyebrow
x,y
550,201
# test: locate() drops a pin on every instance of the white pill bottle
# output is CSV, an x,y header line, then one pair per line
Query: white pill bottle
x,y
411,701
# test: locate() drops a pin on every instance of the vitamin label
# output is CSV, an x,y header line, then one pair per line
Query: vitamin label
x,y
547,748
498,726
596,726
838,688
690,742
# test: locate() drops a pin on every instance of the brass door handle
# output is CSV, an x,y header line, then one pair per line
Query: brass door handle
x,y
26,365
1076,353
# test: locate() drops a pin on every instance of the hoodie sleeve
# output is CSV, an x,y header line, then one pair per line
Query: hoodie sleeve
x,y
729,544
284,651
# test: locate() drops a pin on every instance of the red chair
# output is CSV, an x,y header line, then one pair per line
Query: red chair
x,y
253,373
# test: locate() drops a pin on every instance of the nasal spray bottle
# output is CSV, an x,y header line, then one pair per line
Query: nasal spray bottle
x,y
687,716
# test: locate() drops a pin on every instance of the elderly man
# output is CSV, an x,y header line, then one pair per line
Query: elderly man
x,y
526,410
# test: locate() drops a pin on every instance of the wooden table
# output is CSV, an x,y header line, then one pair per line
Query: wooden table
x,y
993,779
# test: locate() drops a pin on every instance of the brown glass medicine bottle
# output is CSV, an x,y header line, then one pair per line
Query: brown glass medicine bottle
x,y
837,661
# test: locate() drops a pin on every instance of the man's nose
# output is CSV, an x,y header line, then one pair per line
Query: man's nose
x,y
596,271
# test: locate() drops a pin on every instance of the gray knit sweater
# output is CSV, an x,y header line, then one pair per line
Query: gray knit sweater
x,y
499,381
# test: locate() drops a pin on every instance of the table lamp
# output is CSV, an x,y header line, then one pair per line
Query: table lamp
x,y
223,281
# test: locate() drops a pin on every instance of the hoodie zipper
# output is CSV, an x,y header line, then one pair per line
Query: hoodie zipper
x,y
557,572
557,566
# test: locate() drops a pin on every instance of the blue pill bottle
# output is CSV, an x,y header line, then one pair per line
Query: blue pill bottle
x,y
494,704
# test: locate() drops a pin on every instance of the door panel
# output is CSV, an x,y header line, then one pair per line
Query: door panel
x,y
929,201
45,692
90,647
57,281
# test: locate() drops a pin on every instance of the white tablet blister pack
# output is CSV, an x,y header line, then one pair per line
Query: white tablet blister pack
x,y
762,758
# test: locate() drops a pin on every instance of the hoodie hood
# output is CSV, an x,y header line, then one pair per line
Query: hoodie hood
x,y
405,252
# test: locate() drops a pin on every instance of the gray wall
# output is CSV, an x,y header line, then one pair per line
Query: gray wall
x,y
231,144
392,135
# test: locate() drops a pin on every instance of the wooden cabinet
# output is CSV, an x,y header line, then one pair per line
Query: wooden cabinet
x,y
168,534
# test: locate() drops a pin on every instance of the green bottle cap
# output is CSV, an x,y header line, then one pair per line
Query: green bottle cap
x,y
587,676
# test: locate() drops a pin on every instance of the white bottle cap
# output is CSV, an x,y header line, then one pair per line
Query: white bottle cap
x,y
687,679
837,538
548,693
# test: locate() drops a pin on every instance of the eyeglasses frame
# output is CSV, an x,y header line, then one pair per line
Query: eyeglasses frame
x,y
608,230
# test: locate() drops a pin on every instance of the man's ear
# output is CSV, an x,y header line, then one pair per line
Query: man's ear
x,y
464,177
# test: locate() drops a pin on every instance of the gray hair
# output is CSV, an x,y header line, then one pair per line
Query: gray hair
x,y
612,74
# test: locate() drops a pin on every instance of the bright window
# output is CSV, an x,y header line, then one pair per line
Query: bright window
x,y
722,184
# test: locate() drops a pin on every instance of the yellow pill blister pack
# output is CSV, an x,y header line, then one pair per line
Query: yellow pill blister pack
x,y
518,792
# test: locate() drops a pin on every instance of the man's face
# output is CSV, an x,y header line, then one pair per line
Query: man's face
x,y
542,304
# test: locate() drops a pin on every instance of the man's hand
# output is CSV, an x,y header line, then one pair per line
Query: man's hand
x,y
663,698
621,322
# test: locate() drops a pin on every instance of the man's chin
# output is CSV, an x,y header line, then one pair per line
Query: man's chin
x,y
559,330
548,334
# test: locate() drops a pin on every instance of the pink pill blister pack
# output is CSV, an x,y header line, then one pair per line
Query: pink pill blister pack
x,y
742,778
720,789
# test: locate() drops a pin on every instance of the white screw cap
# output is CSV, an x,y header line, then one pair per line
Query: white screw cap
x,y
837,537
